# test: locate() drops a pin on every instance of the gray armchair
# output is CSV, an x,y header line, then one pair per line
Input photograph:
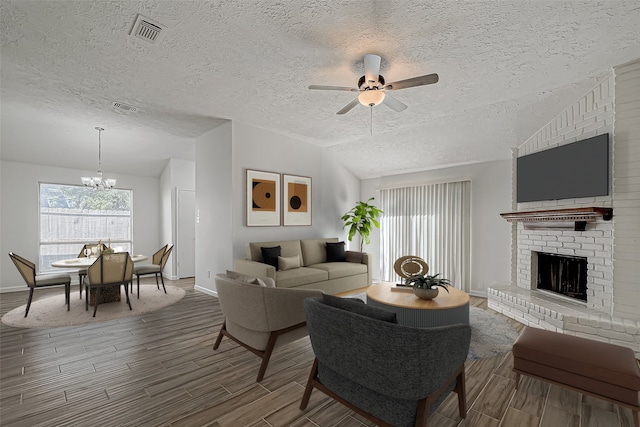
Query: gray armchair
x,y
259,318
393,375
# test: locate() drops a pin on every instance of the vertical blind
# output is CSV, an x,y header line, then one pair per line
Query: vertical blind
x,y
431,222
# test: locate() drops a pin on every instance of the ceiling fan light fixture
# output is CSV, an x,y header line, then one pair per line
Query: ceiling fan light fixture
x,y
371,98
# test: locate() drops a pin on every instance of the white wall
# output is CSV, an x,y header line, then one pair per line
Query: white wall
x,y
214,183
19,227
333,189
222,158
490,234
177,175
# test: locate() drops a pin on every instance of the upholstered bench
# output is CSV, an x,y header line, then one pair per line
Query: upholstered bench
x,y
595,368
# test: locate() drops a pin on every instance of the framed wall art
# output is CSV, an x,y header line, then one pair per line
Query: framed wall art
x,y
296,200
263,198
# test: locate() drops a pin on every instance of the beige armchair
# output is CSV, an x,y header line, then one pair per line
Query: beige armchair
x,y
259,318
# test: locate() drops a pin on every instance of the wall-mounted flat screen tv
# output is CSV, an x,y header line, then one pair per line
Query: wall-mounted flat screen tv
x,y
579,169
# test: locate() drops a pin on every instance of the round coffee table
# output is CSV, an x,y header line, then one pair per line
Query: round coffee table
x,y
445,309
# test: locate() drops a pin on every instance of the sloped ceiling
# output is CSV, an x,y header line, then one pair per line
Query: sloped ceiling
x,y
506,68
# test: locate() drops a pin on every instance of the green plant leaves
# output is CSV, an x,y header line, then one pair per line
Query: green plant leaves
x,y
420,281
360,220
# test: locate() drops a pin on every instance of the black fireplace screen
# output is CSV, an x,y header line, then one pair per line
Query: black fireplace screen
x,y
565,275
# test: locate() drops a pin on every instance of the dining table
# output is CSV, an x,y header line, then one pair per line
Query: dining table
x,y
80,263
85,262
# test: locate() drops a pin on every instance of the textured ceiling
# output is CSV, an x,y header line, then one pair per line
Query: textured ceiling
x,y
506,68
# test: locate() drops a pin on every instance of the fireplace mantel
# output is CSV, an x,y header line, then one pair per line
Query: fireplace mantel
x,y
565,219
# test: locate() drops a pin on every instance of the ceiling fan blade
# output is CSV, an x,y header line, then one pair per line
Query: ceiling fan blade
x,y
394,104
343,88
349,106
414,81
371,68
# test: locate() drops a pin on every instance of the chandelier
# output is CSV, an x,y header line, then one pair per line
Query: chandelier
x,y
97,182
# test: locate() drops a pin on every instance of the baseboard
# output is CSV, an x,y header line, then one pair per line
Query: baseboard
x,y
206,291
481,294
15,289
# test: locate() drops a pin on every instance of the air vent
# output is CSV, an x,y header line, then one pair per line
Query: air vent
x,y
122,108
146,29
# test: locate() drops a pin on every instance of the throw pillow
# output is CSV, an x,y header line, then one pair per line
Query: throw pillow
x,y
257,282
335,252
270,255
234,275
356,306
289,262
266,282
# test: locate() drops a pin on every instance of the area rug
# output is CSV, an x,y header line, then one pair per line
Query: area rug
x,y
51,312
491,335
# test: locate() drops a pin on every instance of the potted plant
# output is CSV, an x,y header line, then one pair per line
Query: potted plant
x,y
361,219
425,286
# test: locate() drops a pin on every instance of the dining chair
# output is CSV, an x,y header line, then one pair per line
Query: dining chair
x,y
83,271
108,270
158,260
28,271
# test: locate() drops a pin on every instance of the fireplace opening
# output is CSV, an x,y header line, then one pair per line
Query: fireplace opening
x,y
563,274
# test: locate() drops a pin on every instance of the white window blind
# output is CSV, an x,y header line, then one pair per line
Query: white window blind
x,y
431,222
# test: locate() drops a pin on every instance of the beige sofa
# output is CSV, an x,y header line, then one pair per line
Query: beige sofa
x,y
314,271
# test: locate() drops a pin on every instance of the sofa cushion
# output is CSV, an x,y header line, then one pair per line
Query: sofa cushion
x,y
337,270
270,255
289,262
335,252
314,251
356,306
300,276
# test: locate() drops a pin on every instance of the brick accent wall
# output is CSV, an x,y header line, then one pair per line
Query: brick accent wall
x,y
612,247
626,197
591,115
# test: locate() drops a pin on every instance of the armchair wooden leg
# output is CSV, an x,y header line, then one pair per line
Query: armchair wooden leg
x,y
267,355
138,281
29,302
157,283
220,335
67,293
462,395
86,297
309,388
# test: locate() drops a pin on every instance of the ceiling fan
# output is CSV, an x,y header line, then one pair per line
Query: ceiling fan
x,y
373,89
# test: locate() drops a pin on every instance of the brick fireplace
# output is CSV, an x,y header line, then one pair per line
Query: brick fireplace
x,y
577,232
579,228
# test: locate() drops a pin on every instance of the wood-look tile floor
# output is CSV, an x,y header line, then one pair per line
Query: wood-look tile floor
x,y
160,370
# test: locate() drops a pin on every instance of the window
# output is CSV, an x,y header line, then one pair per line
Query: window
x,y
73,215
431,222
